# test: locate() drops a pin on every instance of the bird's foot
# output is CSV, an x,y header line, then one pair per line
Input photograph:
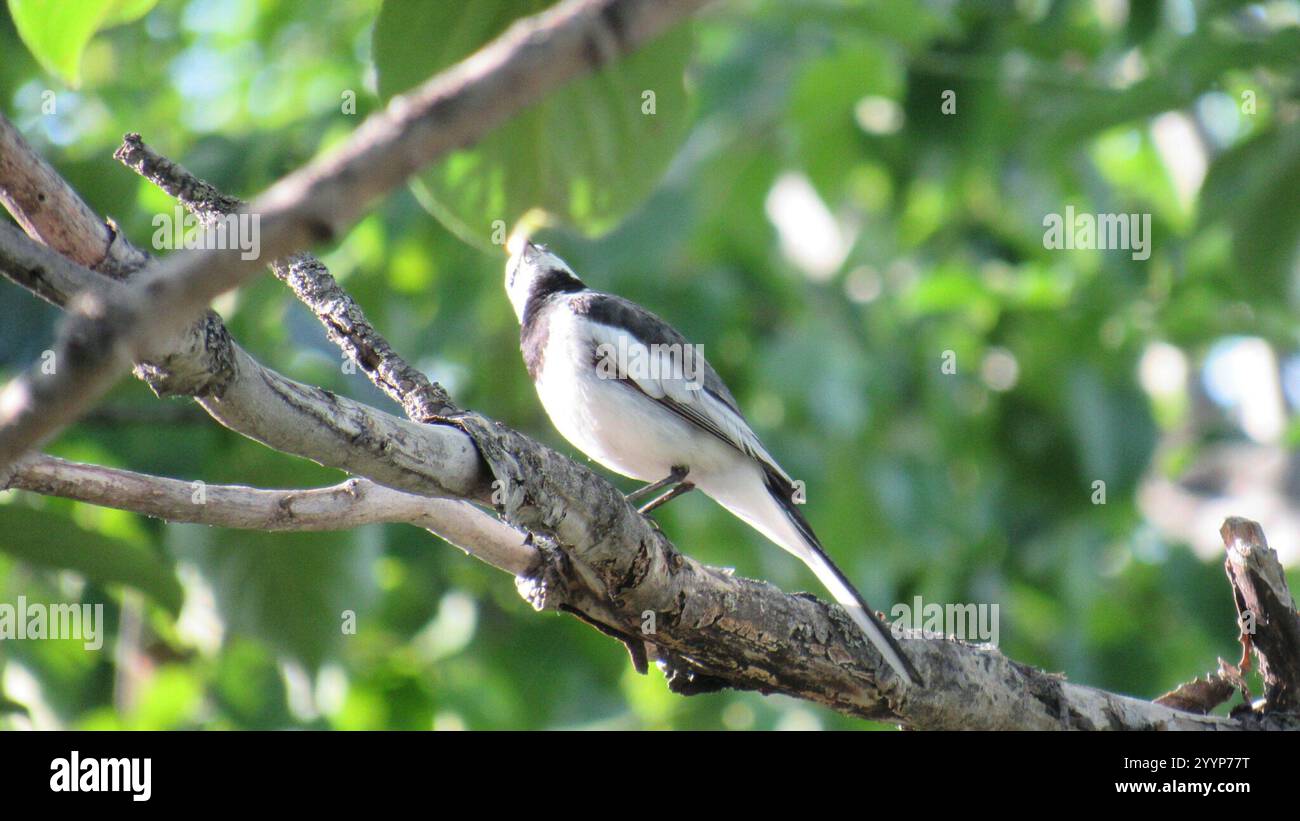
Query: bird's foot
x,y
684,487
676,475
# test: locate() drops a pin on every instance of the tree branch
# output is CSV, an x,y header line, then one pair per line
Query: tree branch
x,y
49,210
350,504
345,323
787,642
268,407
1265,610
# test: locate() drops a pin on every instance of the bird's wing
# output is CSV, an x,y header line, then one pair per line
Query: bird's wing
x,y
665,375
652,357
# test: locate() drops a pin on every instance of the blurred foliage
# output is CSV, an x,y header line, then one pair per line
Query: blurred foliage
x,y
588,153
802,205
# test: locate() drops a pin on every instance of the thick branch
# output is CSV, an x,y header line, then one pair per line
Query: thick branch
x,y
747,631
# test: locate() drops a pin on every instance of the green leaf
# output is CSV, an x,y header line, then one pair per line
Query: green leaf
x,y
50,539
586,153
1255,188
57,31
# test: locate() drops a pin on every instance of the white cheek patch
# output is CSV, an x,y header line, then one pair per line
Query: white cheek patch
x,y
517,281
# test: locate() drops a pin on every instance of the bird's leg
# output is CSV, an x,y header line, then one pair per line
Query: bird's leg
x,y
684,487
677,474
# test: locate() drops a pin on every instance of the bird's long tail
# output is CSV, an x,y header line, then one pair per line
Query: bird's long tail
x,y
778,517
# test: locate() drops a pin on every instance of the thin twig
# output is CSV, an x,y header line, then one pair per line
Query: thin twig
x,y
345,323
350,504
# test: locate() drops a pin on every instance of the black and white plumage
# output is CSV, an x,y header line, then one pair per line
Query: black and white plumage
x,y
649,422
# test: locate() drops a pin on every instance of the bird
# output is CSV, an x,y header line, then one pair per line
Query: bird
x,y
627,389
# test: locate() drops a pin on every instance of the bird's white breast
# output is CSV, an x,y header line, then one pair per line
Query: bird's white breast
x,y
613,423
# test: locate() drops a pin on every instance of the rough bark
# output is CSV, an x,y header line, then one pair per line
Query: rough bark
x,y
1266,611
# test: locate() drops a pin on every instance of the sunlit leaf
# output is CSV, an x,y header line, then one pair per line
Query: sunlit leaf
x,y
57,31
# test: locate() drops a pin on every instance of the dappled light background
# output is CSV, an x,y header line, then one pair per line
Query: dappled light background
x,y
978,418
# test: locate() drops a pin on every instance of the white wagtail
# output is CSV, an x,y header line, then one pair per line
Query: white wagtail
x,y
627,389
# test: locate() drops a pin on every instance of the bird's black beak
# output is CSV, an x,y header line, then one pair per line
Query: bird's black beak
x,y
532,250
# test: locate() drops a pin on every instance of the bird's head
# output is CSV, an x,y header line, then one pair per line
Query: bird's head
x,y
533,272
